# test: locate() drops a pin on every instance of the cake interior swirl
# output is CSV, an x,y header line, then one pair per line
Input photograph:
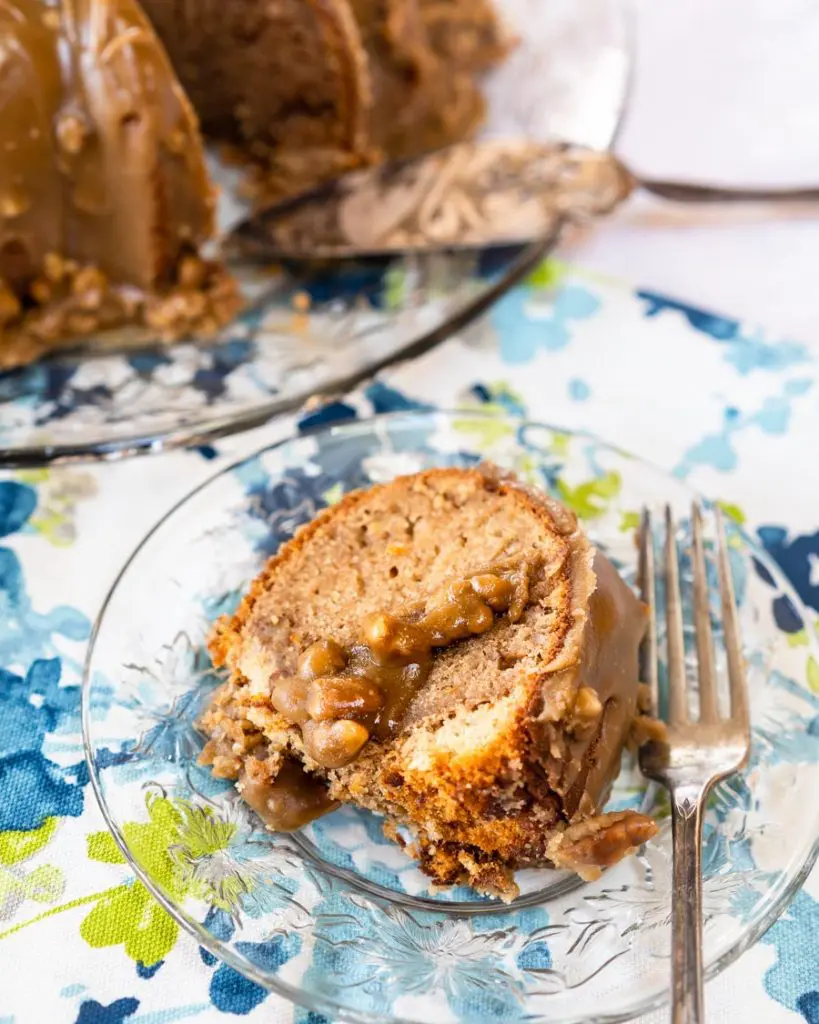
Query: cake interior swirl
x,y
449,651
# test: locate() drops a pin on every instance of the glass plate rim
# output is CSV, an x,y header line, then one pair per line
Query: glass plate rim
x,y
296,994
206,430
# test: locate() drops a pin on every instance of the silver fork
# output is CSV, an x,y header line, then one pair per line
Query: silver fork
x,y
697,752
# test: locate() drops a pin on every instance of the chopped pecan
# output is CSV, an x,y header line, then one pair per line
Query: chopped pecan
x,y
600,842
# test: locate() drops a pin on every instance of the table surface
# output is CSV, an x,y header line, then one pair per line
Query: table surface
x,y
738,414
723,93
733,411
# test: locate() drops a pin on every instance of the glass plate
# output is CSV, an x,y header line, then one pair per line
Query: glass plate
x,y
124,394
338,919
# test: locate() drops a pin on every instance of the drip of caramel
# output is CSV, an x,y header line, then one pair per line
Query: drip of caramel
x,y
343,695
290,801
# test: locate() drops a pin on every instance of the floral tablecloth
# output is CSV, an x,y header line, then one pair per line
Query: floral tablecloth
x,y
712,400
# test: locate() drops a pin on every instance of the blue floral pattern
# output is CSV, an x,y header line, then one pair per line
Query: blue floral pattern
x,y
368,890
52,577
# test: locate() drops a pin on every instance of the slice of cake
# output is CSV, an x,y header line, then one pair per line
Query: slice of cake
x,y
286,82
451,652
104,194
309,89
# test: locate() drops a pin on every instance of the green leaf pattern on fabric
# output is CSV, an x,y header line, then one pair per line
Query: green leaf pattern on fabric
x,y
131,917
813,674
629,521
43,884
177,848
333,494
102,847
590,500
491,426
547,276
19,846
59,494
733,512
799,639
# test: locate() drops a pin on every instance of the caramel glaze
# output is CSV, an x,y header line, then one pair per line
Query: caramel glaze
x,y
290,801
343,695
100,156
605,704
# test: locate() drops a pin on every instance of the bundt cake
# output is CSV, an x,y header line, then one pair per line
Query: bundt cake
x,y
447,650
104,194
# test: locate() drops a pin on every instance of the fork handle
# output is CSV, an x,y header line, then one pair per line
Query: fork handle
x,y
687,806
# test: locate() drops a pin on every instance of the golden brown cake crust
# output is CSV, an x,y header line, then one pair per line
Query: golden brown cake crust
x,y
517,735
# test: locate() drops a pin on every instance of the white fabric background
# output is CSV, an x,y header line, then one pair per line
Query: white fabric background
x,y
727,92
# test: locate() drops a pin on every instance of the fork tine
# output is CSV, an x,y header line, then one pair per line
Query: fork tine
x,y
648,649
677,700
730,620
709,712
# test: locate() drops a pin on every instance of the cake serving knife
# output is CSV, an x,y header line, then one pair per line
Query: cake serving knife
x,y
472,195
